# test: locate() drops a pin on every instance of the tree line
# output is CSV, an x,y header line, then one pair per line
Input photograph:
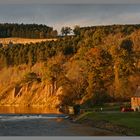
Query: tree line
x,y
31,53
26,30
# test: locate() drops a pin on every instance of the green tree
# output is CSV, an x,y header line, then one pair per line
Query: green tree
x,y
76,30
54,33
66,30
30,59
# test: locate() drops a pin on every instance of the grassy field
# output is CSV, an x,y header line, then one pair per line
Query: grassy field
x,y
128,120
22,40
108,107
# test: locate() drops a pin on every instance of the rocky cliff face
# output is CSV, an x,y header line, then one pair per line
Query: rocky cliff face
x,y
30,94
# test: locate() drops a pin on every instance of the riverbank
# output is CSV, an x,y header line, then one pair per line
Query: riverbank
x,y
44,126
124,124
91,123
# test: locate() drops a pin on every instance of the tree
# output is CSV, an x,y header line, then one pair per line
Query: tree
x,y
66,30
77,80
123,60
97,62
30,59
88,73
1,45
54,33
25,30
76,30
54,70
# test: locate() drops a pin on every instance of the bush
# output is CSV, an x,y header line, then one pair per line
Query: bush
x,y
30,77
100,97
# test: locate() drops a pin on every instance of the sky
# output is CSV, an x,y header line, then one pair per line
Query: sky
x,y
59,15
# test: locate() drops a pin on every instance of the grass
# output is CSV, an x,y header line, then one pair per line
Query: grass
x,y
109,106
127,120
16,40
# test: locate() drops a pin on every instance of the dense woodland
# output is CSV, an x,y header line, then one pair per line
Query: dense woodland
x,y
96,65
26,31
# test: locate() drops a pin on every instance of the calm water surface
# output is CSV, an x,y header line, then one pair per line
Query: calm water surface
x,y
26,110
40,121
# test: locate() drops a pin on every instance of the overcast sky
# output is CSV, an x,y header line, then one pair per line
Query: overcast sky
x,y
58,15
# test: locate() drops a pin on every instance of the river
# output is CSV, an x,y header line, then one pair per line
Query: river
x,y
36,121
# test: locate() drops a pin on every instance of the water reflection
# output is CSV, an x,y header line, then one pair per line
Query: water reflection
x,y
26,110
59,119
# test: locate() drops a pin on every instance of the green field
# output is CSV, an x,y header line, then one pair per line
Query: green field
x,y
107,107
127,120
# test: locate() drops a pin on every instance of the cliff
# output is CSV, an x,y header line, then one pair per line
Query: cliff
x,y
30,94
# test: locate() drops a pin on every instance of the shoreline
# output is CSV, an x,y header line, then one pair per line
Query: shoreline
x,y
120,130
48,127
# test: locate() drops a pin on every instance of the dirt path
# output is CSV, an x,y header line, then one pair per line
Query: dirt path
x,y
48,127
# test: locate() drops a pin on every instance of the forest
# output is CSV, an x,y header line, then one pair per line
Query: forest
x,y
26,30
97,64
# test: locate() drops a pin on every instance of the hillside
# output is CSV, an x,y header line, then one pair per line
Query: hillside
x,y
95,66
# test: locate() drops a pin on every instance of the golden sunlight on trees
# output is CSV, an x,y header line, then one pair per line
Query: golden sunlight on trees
x,y
123,58
95,65
54,70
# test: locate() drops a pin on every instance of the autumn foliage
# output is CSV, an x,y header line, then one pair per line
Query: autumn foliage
x,y
96,65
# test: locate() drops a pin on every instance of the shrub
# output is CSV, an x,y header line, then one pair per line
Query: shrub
x,y
30,77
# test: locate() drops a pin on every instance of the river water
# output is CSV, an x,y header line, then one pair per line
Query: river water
x,y
26,110
40,121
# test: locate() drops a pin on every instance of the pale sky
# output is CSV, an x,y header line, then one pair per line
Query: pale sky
x,y
58,15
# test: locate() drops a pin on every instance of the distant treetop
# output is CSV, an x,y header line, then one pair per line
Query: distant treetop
x,y
26,30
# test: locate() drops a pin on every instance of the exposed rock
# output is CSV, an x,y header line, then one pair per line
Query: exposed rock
x,y
30,94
